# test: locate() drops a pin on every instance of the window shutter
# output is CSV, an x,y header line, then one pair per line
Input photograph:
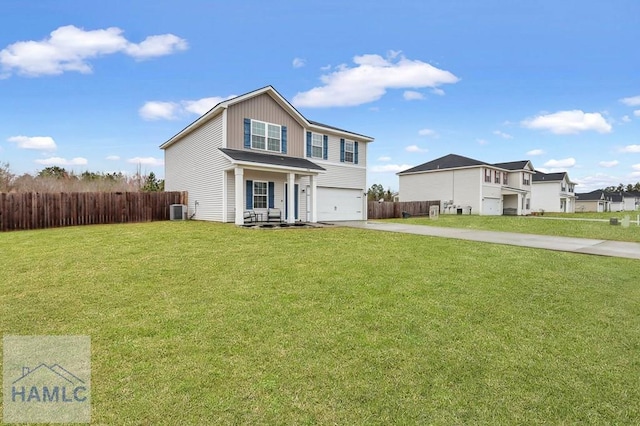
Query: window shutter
x,y
284,139
271,194
308,144
325,147
342,150
355,153
249,194
247,133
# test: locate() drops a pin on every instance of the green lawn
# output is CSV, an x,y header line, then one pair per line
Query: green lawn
x,y
197,323
600,230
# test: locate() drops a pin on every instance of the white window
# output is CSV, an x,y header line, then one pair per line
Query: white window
x,y
348,152
497,176
317,145
265,136
260,191
526,179
505,179
487,175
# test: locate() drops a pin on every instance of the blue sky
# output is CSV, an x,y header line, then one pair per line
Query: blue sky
x,y
100,85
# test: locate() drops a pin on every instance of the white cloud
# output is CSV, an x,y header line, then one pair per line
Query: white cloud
x,y
155,110
59,161
437,91
631,148
43,143
158,45
568,122
427,132
298,62
326,67
113,157
636,113
502,134
146,161
559,164
632,101
203,105
636,167
608,163
535,152
370,79
415,148
599,180
384,158
482,141
160,110
412,95
386,168
626,119
69,48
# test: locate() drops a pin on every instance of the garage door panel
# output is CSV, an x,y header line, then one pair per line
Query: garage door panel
x,y
491,207
339,204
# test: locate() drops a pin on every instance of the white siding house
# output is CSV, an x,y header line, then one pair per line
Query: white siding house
x,y
257,153
468,186
553,192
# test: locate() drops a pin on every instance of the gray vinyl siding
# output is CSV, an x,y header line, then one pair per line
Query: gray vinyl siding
x,y
194,164
263,108
341,176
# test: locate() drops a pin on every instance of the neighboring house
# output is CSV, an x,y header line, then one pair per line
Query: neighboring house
x,y
616,201
465,185
631,200
594,201
553,192
256,152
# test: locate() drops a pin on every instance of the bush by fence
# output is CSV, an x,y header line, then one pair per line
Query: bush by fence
x,y
34,210
387,209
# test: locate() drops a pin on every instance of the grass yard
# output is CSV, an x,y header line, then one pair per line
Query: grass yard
x,y
199,323
537,225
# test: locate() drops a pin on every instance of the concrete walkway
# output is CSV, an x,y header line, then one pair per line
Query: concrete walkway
x,y
568,244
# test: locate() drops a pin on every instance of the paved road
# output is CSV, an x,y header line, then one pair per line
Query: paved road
x,y
568,244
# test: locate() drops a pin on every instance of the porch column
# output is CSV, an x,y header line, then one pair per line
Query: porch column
x,y
314,197
239,187
291,191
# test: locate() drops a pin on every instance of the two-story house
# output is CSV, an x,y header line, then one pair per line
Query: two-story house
x,y
465,185
553,192
257,152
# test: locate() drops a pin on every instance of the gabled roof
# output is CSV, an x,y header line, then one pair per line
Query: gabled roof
x,y
213,112
450,161
515,165
548,177
596,195
281,161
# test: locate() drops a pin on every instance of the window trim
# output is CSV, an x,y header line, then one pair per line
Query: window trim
x,y
266,136
314,145
505,178
487,175
496,178
265,195
347,151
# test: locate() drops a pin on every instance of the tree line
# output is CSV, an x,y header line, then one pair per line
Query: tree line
x,y
57,179
623,188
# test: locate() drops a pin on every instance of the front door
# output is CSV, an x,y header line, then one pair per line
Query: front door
x,y
286,201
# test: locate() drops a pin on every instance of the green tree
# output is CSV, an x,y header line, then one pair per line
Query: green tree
x,y
53,171
151,183
375,193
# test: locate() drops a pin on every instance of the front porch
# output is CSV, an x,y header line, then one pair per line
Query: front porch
x,y
515,202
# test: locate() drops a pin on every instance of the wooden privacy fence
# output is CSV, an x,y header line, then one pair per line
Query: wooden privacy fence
x,y
387,209
34,210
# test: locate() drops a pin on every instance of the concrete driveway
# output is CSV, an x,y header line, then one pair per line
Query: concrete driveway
x,y
568,244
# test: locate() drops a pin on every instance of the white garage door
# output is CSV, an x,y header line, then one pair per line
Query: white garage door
x,y
339,204
491,206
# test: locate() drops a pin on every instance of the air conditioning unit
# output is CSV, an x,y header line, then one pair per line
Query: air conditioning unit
x,y
177,212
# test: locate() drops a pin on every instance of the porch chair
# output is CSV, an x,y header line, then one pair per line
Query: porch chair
x,y
249,216
274,215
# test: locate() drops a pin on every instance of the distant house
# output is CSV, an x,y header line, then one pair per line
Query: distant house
x,y
553,192
468,186
594,201
255,155
631,200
